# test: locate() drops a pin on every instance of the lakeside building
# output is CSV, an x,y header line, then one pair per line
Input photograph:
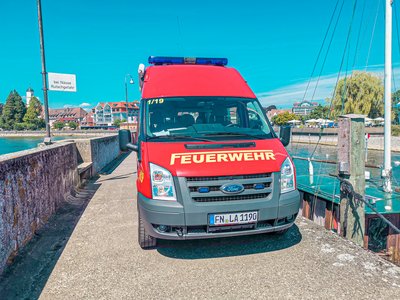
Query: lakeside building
x,y
88,120
66,115
105,113
304,108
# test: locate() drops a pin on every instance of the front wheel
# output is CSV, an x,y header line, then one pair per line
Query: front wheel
x,y
145,241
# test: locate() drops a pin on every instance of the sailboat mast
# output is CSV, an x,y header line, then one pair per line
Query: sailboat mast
x,y
387,170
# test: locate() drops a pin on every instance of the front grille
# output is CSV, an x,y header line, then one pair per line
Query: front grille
x,y
213,185
230,198
217,188
249,176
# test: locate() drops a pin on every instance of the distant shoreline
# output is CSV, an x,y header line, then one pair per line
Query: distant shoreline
x,y
72,133
374,143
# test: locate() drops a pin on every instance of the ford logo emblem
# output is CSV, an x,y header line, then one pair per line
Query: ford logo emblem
x,y
232,188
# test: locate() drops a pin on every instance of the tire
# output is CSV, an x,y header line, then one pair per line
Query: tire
x,y
145,241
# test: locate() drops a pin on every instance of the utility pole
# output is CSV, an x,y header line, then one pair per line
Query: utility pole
x,y
44,73
387,168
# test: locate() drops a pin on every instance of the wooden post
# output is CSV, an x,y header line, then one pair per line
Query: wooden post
x,y
351,160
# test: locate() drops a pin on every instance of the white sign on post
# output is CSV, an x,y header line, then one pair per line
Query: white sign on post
x,y
62,82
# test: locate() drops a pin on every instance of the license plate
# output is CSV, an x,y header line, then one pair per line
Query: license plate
x,y
233,218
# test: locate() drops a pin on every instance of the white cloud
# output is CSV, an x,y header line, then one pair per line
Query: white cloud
x,y
68,106
287,95
284,97
84,104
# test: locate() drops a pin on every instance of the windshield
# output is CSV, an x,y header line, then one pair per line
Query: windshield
x,y
205,119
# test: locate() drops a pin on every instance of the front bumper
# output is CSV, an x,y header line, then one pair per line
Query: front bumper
x,y
193,224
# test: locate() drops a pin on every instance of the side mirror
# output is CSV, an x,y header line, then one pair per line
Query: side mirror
x,y
284,135
125,137
132,147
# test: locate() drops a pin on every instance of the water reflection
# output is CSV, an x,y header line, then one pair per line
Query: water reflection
x,y
329,153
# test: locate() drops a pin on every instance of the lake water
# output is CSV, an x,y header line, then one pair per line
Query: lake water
x,y
330,153
13,144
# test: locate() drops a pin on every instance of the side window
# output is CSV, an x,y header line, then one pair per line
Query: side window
x,y
256,118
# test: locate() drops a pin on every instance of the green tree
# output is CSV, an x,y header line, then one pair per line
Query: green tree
x,y
396,105
73,125
32,116
283,118
1,109
13,111
320,112
361,93
117,122
58,125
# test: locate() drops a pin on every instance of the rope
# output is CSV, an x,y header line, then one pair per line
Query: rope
x,y
347,188
344,53
327,52
322,46
372,35
398,41
359,34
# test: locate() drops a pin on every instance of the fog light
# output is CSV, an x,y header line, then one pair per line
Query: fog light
x,y
162,228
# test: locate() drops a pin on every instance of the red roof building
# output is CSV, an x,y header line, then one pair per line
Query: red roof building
x,y
65,115
88,120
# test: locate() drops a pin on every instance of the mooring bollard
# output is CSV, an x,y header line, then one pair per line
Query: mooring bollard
x,y
351,167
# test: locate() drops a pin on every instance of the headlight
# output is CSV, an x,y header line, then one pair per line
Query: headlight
x,y
162,183
287,176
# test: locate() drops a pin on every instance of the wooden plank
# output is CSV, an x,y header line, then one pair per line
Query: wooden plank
x,y
393,239
366,240
329,216
319,211
306,208
351,157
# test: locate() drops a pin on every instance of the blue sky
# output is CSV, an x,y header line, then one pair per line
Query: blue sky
x,y
273,44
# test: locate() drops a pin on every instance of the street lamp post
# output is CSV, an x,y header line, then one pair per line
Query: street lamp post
x,y
126,95
44,73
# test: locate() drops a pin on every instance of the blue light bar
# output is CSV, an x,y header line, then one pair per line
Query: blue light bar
x,y
165,60
211,61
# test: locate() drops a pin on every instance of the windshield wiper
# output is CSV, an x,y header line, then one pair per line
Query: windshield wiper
x,y
178,137
235,134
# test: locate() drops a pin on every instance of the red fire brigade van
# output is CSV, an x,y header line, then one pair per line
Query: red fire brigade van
x,y
208,161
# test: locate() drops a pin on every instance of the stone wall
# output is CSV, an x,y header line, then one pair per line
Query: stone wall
x,y
33,184
100,151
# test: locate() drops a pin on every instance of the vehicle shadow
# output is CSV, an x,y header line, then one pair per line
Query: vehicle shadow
x,y
231,246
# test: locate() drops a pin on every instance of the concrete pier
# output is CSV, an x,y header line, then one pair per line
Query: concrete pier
x,y
89,250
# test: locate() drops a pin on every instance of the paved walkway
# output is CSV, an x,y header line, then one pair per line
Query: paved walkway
x,y
100,258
